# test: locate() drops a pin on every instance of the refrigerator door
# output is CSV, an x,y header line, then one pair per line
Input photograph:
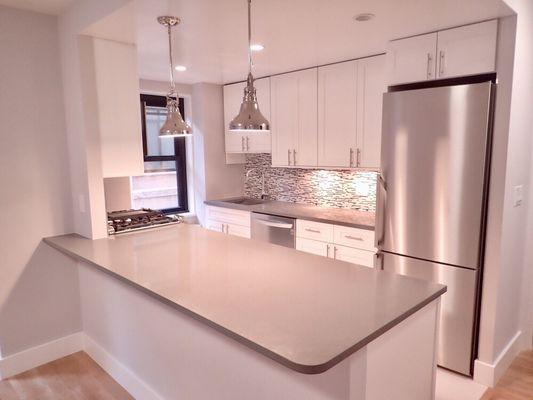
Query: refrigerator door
x,y
456,329
433,169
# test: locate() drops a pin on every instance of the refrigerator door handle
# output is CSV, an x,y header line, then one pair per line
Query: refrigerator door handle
x,y
378,263
380,216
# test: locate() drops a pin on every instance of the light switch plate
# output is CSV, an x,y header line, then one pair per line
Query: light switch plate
x,y
518,195
362,189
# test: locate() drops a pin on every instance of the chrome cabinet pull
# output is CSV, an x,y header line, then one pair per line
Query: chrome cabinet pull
x,y
353,238
327,250
351,157
335,252
242,143
442,56
312,230
247,143
223,231
358,162
293,157
429,69
289,157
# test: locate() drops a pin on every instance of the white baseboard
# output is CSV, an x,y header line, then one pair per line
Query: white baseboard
x,y
120,373
489,374
39,355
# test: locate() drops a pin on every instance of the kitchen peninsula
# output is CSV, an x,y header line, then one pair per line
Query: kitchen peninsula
x,y
253,319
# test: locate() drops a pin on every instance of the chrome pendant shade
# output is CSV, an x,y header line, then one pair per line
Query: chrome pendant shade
x,y
174,125
249,117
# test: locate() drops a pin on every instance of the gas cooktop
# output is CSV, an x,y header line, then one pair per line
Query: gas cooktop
x,y
132,220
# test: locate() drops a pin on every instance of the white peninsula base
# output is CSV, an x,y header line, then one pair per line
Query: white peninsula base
x,y
158,352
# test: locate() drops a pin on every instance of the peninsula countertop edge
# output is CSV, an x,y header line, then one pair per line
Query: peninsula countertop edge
x,y
303,311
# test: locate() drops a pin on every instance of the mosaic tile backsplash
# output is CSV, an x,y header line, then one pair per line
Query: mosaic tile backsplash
x,y
344,189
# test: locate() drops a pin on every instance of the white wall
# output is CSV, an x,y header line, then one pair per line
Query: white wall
x,y
508,279
213,178
39,298
79,94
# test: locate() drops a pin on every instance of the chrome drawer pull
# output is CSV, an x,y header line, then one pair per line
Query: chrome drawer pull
x,y
312,230
353,238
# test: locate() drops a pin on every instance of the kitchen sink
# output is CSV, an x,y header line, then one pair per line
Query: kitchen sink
x,y
246,201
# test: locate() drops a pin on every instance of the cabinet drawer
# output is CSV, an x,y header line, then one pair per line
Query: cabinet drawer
x,y
312,246
354,237
228,215
314,230
354,256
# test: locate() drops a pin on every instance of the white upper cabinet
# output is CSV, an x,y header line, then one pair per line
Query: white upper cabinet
x,y
246,142
350,98
462,51
294,122
371,84
337,122
467,50
119,113
412,59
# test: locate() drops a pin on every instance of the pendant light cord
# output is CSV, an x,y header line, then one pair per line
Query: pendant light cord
x,y
172,84
249,36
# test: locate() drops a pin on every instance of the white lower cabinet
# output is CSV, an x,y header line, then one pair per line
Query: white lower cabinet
x,y
325,240
312,246
228,221
353,255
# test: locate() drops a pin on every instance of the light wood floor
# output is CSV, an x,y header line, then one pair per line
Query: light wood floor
x,y
73,377
79,377
517,383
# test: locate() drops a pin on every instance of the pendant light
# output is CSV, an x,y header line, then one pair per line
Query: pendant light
x,y
249,117
174,126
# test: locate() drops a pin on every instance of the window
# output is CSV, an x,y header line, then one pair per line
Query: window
x,y
164,184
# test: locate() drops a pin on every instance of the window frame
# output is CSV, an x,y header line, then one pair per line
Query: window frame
x,y
179,157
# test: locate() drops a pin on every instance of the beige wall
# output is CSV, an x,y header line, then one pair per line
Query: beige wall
x,y
39,298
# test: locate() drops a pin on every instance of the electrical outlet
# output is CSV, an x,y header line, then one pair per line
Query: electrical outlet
x,y
518,195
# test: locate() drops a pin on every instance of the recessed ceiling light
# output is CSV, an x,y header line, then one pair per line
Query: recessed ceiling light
x,y
181,68
256,47
364,17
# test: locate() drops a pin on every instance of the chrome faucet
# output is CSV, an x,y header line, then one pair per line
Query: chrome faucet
x,y
262,171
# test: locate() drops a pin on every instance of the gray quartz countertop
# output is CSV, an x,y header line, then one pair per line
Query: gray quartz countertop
x,y
303,311
338,216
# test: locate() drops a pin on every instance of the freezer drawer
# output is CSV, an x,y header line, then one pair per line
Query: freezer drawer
x,y
457,315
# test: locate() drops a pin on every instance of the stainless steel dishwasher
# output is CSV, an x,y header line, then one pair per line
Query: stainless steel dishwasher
x,y
274,229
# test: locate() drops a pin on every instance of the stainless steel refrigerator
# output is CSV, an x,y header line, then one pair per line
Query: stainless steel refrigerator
x,y
432,197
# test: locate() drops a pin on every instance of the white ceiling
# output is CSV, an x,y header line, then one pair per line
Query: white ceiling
x,y
53,7
212,38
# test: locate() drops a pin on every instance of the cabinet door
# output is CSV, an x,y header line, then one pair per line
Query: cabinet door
x,y
467,50
354,256
412,59
337,102
371,85
312,246
294,124
214,226
284,118
238,230
306,149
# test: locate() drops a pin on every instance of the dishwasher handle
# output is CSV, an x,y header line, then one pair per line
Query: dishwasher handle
x,y
275,224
